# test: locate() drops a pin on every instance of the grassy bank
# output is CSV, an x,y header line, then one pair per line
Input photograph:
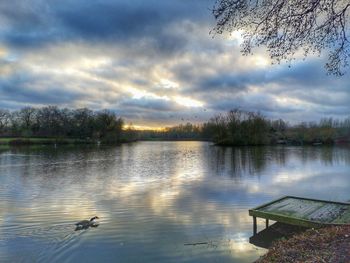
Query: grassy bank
x,y
331,245
32,141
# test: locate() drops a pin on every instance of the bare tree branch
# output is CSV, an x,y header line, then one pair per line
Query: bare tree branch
x,y
286,27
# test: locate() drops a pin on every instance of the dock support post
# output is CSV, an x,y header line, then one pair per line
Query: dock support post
x,y
254,226
267,223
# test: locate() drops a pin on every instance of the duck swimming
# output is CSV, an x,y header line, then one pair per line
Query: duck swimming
x,y
84,224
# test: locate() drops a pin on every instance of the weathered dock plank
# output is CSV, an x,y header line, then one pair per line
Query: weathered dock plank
x,y
303,212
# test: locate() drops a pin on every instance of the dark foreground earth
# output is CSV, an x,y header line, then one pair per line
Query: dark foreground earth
x,y
330,244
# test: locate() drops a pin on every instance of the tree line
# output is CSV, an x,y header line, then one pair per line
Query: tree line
x,y
54,122
238,127
186,131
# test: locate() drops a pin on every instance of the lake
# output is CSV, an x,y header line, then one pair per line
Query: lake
x,y
153,198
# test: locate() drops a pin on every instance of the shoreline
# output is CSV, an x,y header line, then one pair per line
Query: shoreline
x,y
328,244
19,141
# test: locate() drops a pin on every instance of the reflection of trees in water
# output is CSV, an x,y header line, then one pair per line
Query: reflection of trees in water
x,y
240,161
4,148
237,162
325,155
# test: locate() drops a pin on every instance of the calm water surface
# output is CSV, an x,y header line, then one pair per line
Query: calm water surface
x,y
152,198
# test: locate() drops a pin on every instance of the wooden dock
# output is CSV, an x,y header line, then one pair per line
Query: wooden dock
x,y
304,212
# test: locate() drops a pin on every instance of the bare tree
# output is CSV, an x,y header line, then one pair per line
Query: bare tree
x,y
26,116
288,26
4,119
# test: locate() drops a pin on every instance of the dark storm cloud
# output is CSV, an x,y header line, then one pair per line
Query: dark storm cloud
x,y
149,104
41,22
261,102
27,23
305,75
231,82
17,90
22,15
308,82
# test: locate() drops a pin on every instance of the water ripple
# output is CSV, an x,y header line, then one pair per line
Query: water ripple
x,y
152,198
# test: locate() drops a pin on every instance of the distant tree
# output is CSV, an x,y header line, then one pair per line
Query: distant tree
x,y
130,134
108,126
50,120
219,129
344,127
4,119
26,118
234,121
279,125
15,124
83,121
285,27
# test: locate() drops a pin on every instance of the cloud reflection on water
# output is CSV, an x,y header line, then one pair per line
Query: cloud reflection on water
x,y
159,195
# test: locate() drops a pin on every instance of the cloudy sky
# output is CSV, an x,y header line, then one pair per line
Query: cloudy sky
x,y
153,62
